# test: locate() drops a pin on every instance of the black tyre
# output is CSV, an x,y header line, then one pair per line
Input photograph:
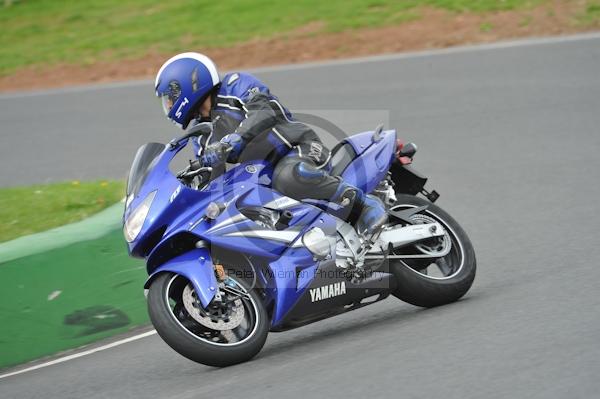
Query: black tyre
x,y
434,281
178,324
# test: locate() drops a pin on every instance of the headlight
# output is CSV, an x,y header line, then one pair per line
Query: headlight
x,y
317,243
135,221
130,198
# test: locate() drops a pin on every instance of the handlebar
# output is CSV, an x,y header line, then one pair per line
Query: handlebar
x,y
187,175
190,174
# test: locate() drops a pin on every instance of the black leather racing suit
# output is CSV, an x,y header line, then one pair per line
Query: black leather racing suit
x,y
244,105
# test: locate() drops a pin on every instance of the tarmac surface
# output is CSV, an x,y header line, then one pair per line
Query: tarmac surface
x,y
510,137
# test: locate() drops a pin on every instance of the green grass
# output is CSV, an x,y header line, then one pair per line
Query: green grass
x,y
591,16
27,210
43,32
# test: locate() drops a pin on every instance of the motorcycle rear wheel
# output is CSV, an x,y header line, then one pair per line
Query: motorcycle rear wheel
x,y
456,270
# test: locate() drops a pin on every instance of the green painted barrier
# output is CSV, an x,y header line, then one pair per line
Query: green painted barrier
x,y
68,287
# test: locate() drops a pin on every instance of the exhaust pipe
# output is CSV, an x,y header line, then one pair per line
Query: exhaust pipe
x,y
406,235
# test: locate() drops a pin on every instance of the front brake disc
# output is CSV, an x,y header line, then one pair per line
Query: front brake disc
x,y
220,322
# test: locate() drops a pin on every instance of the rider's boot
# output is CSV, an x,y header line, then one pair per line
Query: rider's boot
x,y
372,217
367,213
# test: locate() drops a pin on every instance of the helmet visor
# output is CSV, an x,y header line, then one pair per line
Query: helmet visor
x,y
167,103
170,96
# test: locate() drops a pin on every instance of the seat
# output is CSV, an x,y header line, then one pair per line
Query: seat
x,y
341,156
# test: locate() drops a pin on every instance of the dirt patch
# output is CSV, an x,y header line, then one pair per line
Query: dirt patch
x,y
434,29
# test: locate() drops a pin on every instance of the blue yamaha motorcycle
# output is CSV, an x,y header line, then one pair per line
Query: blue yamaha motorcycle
x,y
229,259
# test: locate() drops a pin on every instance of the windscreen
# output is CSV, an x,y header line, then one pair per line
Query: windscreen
x,y
142,165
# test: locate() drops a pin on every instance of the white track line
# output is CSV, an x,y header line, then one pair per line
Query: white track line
x,y
80,354
316,64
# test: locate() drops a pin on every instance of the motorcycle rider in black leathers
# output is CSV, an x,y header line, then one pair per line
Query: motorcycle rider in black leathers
x,y
250,123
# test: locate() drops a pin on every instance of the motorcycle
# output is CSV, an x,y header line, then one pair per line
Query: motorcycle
x,y
230,259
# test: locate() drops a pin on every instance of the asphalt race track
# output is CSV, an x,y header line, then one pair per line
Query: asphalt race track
x,y
510,136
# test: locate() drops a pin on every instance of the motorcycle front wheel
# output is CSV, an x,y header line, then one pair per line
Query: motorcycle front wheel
x,y
228,331
433,280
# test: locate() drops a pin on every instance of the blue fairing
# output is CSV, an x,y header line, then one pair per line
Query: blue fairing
x,y
232,231
373,159
178,213
293,272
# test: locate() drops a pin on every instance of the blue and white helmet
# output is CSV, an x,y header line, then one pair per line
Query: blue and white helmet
x,y
182,82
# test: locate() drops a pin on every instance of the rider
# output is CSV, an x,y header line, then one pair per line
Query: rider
x,y
248,123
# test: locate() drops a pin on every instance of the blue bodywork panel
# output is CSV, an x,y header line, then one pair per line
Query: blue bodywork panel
x,y
373,160
178,213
